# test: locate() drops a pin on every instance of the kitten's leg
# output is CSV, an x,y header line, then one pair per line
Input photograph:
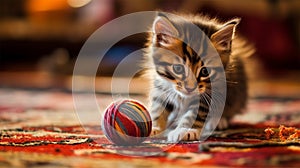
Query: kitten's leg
x,y
189,127
223,124
159,116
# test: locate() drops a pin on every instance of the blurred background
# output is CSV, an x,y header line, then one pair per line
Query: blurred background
x,y
40,39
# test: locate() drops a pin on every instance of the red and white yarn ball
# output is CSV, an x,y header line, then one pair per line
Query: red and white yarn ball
x,y
126,122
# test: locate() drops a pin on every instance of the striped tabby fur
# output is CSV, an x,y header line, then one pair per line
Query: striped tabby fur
x,y
180,98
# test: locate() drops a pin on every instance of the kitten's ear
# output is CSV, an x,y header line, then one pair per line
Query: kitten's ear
x,y
164,31
223,37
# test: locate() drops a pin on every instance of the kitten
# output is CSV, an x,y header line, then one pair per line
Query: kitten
x,y
182,77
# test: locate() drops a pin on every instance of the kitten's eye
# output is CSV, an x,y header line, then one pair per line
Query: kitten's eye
x,y
204,72
178,68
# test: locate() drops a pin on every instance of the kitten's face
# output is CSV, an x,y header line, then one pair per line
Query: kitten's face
x,y
187,77
179,65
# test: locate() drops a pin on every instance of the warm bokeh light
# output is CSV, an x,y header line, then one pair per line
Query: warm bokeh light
x,y
46,5
78,3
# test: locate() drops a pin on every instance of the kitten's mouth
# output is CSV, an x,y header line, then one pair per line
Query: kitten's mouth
x,y
189,93
185,92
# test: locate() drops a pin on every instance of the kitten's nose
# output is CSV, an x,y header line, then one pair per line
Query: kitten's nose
x,y
190,89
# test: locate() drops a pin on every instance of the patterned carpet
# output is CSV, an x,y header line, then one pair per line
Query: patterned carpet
x,y
40,128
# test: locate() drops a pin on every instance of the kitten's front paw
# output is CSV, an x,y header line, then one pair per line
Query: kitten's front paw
x,y
184,134
156,132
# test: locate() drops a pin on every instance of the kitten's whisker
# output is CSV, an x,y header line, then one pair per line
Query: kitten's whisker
x,y
232,82
216,101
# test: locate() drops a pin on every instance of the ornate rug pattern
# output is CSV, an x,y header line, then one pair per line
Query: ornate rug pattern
x,y
41,129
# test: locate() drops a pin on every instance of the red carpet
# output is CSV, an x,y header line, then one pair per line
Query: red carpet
x,y
41,129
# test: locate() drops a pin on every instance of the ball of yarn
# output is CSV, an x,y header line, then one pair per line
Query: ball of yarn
x,y
126,122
